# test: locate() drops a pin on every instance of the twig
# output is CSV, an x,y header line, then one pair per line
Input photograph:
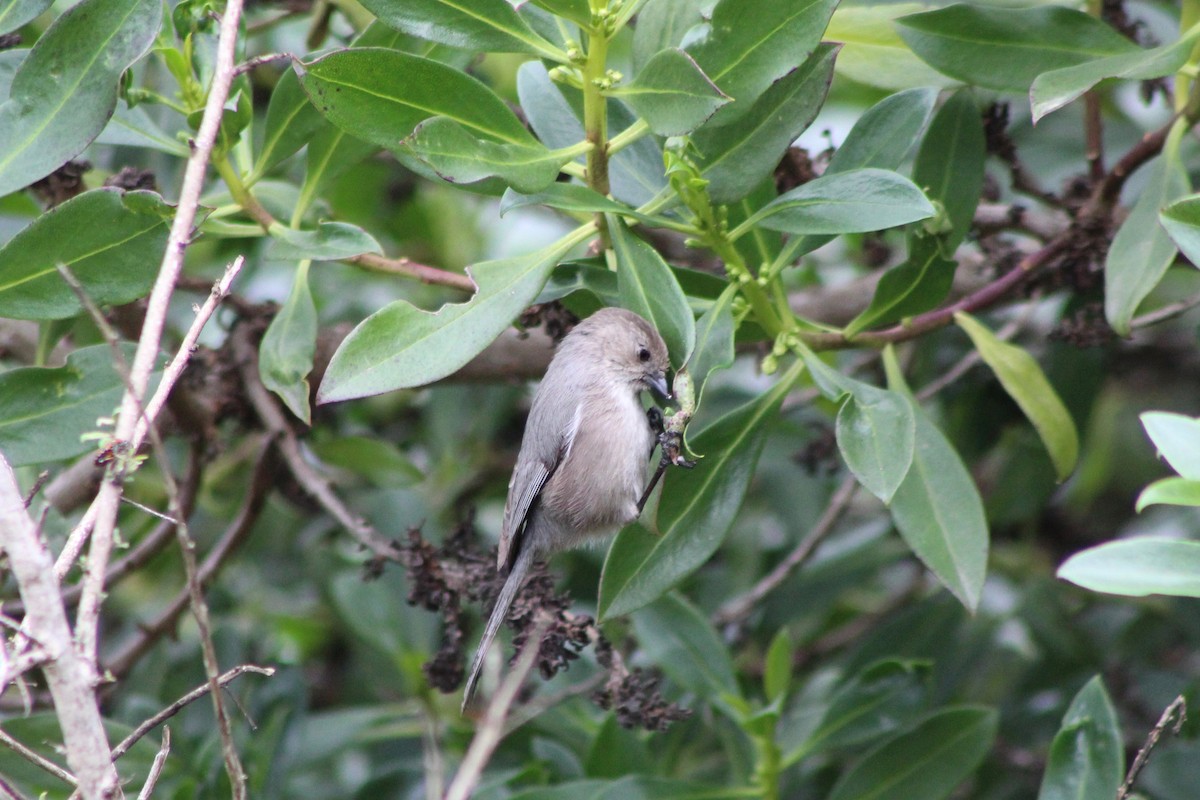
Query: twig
x,y
491,728
157,767
1093,133
69,675
413,269
38,483
1169,311
256,62
191,697
36,759
7,791
964,364
88,616
147,509
739,607
289,447
1177,706
234,535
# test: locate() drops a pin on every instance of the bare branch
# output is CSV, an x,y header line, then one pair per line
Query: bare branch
x,y
289,446
157,767
150,340
1177,711
36,759
195,694
491,728
739,607
69,675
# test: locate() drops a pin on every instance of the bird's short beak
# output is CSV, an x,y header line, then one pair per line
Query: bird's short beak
x,y
659,384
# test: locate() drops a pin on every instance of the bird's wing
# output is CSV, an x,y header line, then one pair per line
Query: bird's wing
x,y
529,477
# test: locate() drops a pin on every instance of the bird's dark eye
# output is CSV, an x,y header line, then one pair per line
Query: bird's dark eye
x,y
643,354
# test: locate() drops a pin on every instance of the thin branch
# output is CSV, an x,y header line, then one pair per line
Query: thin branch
x,y
38,483
258,61
317,487
36,759
1093,135
157,767
736,609
7,791
1177,710
234,535
187,699
219,291
491,727
412,269
88,616
1169,311
69,674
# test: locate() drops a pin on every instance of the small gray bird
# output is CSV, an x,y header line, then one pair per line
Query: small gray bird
x,y
582,465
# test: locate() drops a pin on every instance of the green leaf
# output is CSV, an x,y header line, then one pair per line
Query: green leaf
x,y
854,201
926,762
380,96
649,288
873,52
16,13
378,461
1023,379
880,699
663,25
937,508
44,411
885,134
697,509
480,25
881,138
456,155
572,197
949,164
672,94
330,153
133,127
112,242
777,670
401,346
1142,250
1007,48
1137,567
736,157
1170,492
1087,756
578,11
285,355
750,44
677,636
1182,222
330,241
1053,90
714,341
291,122
875,428
1177,438
916,285
66,88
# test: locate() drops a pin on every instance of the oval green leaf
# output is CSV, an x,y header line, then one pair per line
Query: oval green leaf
x,y
480,25
855,201
112,241
1170,492
285,355
648,287
15,13
928,761
1023,379
66,88
1087,756
677,636
1142,250
1007,48
401,346
1177,438
330,241
459,157
44,410
1137,567
873,53
697,509
672,94
736,157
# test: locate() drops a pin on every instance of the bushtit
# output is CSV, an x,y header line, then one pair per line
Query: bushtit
x,y
582,463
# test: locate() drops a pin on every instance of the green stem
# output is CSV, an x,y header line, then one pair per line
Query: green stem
x,y
767,767
628,136
595,122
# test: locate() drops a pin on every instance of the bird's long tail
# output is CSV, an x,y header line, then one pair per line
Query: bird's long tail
x,y
516,577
